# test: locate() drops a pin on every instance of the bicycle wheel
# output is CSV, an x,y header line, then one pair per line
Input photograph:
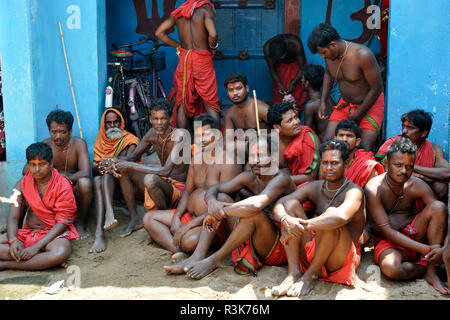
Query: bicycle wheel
x,y
142,124
119,101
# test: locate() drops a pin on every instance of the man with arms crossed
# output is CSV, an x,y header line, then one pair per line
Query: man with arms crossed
x,y
325,246
255,239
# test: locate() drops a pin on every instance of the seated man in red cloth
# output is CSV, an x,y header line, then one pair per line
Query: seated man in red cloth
x,y
178,230
325,246
362,165
358,76
44,241
285,58
430,164
255,239
298,144
194,78
408,241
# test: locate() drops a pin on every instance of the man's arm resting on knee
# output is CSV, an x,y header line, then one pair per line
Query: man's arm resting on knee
x,y
336,217
16,213
255,204
382,225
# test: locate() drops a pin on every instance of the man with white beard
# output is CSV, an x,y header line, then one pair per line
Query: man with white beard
x,y
112,142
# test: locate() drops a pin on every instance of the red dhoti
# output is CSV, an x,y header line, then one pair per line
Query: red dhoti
x,y
195,82
287,72
345,275
247,261
372,120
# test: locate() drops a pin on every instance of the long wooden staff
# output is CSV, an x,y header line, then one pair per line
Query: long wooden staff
x,y
70,79
256,112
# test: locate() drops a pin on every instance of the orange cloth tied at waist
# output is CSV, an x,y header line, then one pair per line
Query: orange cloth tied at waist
x,y
177,192
195,82
186,9
58,204
106,148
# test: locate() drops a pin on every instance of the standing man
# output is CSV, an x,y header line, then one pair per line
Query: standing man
x,y
194,78
112,141
430,164
285,58
408,241
357,73
71,159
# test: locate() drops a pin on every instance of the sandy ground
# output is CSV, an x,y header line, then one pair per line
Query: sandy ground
x,y
131,268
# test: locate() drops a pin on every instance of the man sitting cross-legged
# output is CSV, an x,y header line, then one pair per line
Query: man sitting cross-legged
x,y
44,241
325,246
255,238
160,186
112,141
178,230
408,222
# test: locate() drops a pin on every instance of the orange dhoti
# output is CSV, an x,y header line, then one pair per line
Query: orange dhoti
x,y
177,192
372,120
287,72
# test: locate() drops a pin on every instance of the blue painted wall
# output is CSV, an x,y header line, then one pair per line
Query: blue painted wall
x,y
419,65
35,72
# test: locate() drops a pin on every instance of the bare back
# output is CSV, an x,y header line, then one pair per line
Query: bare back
x,y
193,32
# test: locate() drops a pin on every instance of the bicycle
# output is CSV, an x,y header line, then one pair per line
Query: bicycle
x,y
132,75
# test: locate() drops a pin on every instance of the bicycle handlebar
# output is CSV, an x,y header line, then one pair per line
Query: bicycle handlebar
x,y
141,41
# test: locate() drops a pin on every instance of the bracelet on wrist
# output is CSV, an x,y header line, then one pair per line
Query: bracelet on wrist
x,y
283,217
215,47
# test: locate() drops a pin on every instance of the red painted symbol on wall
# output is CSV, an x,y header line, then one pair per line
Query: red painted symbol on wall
x,y
360,15
148,25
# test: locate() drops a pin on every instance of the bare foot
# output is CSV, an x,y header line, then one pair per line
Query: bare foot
x,y
433,279
283,288
201,269
302,287
99,244
109,224
179,256
135,224
82,232
181,267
